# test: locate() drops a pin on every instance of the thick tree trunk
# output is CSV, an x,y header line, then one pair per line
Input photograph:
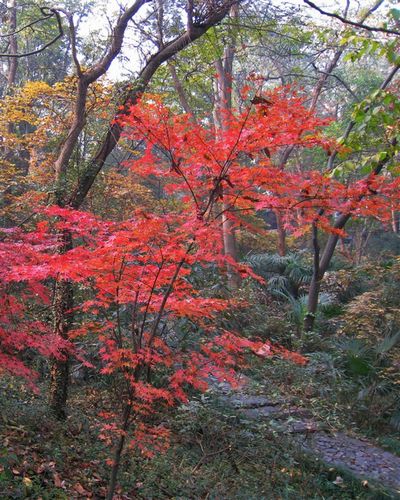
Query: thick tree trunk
x,y
62,318
59,383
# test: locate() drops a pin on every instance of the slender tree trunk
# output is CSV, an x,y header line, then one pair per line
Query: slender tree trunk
x,y
118,452
395,221
281,234
13,46
364,237
115,467
179,89
221,111
229,239
312,305
315,284
13,50
346,251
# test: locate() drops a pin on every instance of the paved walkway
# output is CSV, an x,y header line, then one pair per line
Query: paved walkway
x,y
363,459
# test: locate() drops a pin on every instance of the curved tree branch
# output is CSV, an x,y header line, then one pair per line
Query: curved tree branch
x,y
53,13
132,92
85,78
354,23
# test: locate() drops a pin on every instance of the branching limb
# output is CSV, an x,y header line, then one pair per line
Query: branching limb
x,y
47,13
132,92
355,23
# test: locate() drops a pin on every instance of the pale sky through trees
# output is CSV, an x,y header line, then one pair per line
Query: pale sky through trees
x,y
98,25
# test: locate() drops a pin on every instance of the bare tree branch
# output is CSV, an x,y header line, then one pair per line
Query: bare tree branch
x,y
84,80
132,92
117,39
53,13
354,23
338,78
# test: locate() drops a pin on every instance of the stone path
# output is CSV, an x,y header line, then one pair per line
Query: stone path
x,y
358,456
362,458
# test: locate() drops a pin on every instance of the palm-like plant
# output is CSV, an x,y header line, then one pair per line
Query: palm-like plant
x,y
367,363
284,274
285,277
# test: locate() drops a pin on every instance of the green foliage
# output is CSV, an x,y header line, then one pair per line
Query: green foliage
x,y
285,275
373,139
214,452
219,455
287,278
370,365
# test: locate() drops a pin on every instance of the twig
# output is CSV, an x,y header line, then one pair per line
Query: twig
x,y
354,23
55,13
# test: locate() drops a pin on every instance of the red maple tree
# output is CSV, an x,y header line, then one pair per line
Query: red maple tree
x,y
138,276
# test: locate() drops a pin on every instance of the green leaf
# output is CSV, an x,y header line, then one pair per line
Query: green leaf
x,y
377,110
395,13
359,366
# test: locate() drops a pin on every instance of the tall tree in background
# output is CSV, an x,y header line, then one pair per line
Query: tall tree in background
x,y
222,110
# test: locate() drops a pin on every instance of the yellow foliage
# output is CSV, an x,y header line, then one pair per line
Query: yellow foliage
x,y
38,116
372,313
33,123
118,193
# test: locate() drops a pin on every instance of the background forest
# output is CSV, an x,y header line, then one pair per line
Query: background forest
x,y
199,242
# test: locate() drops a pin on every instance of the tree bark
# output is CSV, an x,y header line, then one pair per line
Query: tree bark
x,y
13,46
62,318
118,453
395,221
315,283
222,108
230,248
179,89
281,234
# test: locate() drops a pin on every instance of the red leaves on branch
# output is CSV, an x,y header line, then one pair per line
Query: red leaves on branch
x,y
25,266
138,276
